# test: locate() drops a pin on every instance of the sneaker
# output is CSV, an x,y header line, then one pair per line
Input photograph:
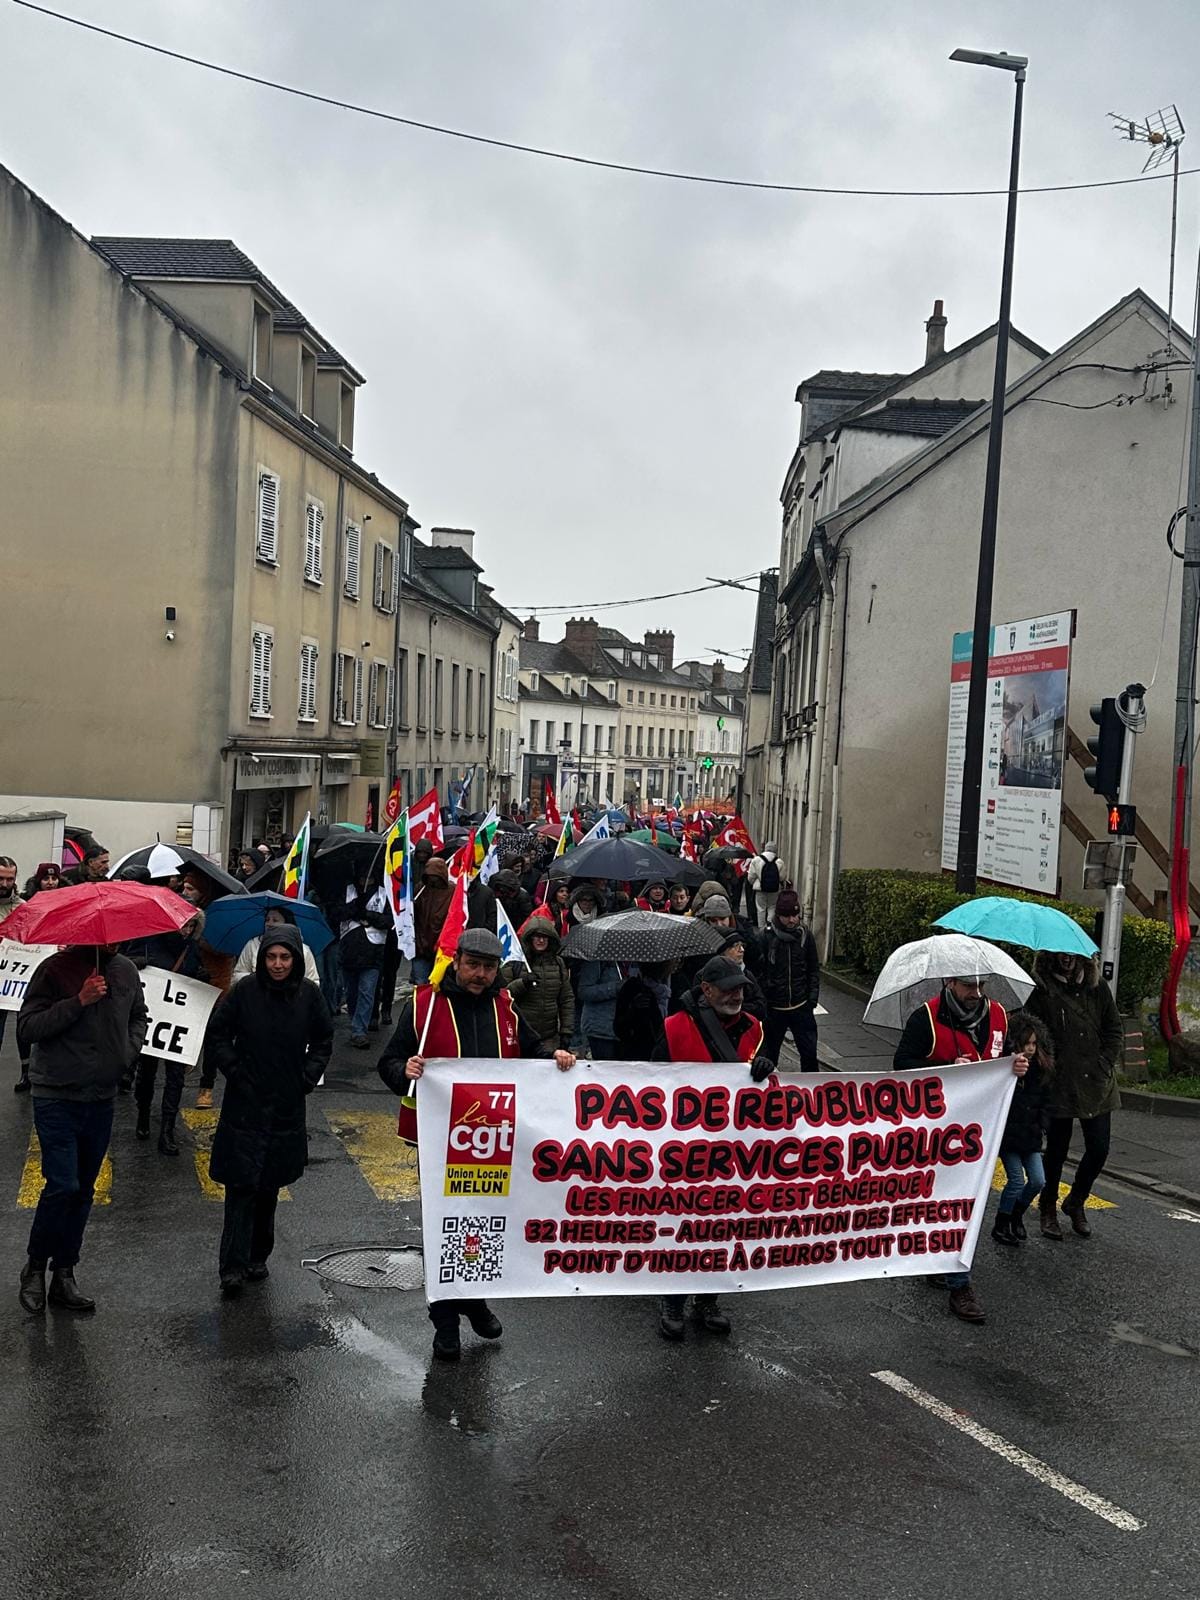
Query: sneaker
x,y
204,1100
713,1319
446,1344
485,1323
257,1271
965,1303
670,1325
1073,1208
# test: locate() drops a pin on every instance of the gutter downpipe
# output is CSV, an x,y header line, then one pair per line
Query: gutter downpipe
x,y
812,826
835,831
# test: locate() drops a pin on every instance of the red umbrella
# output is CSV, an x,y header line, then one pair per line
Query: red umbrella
x,y
98,913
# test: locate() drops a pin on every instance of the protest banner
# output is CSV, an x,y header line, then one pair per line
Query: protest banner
x,y
18,963
636,1179
179,1011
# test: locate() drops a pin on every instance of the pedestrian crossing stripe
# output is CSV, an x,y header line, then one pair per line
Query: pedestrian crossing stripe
x,y
369,1138
1092,1203
32,1182
203,1124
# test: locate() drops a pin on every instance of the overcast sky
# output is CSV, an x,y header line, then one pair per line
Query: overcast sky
x,y
596,371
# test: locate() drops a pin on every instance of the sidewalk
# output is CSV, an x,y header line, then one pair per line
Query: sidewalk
x,y
1156,1153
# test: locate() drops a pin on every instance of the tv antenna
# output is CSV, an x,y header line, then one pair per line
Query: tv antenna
x,y
1163,131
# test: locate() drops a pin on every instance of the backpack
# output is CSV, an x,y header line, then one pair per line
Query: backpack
x,y
768,878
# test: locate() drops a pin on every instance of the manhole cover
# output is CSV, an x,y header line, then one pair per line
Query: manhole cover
x,y
372,1267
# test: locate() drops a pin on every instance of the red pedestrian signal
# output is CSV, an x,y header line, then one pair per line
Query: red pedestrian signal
x,y
1122,819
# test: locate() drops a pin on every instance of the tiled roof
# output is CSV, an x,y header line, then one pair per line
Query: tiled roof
x,y
849,382
443,556
546,655
928,418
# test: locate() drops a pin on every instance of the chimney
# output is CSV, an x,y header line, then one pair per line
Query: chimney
x,y
718,676
453,538
581,636
935,334
663,644
529,630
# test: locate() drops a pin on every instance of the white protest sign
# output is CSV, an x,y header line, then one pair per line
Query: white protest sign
x,y
179,1011
18,963
644,1179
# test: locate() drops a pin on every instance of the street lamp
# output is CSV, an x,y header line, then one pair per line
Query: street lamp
x,y
972,786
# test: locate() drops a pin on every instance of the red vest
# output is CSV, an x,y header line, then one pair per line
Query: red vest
x,y
442,1038
687,1043
950,1043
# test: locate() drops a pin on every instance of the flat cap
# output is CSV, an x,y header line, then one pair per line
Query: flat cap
x,y
479,942
723,973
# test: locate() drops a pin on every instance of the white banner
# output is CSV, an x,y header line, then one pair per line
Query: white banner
x,y
179,1011
18,963
635,1179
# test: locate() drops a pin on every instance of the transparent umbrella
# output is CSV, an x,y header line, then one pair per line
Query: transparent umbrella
x,y
915,973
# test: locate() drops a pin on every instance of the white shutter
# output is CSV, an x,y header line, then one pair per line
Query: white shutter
x,y
261,644
353,559
267,547
379,558
373,695
389,710
308,682
314,530
358,690
395,597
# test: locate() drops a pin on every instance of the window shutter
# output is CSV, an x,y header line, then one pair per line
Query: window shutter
x,y
358,690
395,596
256,673
314,531
373,695
353,559
389,710
339,687
379,593
268,517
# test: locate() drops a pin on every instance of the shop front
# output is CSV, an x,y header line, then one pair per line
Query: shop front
x,y
271,794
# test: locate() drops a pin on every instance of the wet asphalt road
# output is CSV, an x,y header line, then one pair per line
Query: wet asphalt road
x,y
298,1442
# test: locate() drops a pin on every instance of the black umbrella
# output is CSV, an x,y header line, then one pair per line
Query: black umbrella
x,y
642,936
160,860
267,875
730,852
627,861
349,846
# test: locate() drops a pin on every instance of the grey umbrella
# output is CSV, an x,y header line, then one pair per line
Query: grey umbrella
x,y
642,936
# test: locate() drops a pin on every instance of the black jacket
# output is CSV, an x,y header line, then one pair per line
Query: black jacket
x,y
1029,1114
788,968
272,1042
507,888
1089,1040
639,1022
481,906
475,1018
80,1052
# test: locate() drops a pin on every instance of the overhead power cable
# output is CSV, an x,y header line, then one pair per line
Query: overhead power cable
x,y
638,600
568,156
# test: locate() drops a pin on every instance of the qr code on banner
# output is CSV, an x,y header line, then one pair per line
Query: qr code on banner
x,y
472,1250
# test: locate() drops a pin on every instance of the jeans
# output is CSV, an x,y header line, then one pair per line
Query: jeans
x,y
248,1236
420,969
602,1049
957,1280
74,1137
803,1026
1097,1131
24,1058
1025,1175
173,1076
361,983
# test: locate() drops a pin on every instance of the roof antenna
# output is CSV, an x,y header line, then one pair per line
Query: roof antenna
x,y
1163,131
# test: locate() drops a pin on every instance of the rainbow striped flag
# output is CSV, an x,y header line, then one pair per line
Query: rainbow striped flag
x,y
566,840
295,868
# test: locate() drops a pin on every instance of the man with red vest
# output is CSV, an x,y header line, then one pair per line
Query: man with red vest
x,y
468,1015
710,1025
961,1025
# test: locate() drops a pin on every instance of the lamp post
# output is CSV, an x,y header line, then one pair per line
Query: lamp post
x,y
972,785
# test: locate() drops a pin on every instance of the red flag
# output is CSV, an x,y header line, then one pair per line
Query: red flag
x,y
687,848
425,820
552,812
462,862
392,805
577,824
735,831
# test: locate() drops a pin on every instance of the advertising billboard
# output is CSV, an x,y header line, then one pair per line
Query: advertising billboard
x,y
1024,750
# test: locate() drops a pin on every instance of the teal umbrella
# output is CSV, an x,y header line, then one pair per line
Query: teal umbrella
x,y
1020,922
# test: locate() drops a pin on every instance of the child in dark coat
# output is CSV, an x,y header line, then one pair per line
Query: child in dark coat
x,y
1024,1135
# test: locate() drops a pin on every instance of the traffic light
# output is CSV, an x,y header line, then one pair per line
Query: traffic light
x,y
1122,819
1107,746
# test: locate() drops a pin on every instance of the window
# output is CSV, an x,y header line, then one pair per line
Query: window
x,y
641,697
308,681
439,705
691,745
483,715
387,578
266,544
402,687
639,739
692,703
510,675
535,727
353,561
583,688
612,691
262,643
308,384
652,697
455,677
661,743
568,734
347,689
583,738
260,354
628,741
382,698
672,702
671,744
535,679
422,696
314,538
612,740
469,703
550,726
566,683
596,732
629,696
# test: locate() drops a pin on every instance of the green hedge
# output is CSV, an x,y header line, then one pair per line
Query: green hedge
x,y
877,910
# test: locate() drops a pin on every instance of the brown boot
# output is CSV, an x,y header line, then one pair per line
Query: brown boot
x,y
965,1303
1048,1218
1073,1208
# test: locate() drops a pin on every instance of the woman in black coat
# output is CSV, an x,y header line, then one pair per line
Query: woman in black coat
x,y
271,1038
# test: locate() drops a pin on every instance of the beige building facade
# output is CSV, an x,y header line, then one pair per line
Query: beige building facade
x,y
202,581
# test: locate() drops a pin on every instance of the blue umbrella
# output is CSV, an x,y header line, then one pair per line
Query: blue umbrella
x,y
1020,922
233,919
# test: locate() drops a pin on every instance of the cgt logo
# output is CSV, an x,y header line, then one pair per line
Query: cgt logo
x,y
479,1146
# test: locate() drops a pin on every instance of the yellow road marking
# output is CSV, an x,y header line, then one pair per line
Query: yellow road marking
x,y
1092,1203
203,1125
389,1166
32,1182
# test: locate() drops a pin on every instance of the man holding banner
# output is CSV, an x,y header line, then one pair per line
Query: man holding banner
x,y
464,1013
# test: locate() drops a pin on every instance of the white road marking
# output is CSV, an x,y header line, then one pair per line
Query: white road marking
x,y
1012,1453
1183,1216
